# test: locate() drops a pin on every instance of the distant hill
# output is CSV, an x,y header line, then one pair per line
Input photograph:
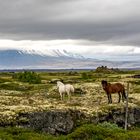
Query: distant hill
x,y
105,69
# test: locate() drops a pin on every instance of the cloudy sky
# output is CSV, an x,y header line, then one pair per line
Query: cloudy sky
x,y
102,29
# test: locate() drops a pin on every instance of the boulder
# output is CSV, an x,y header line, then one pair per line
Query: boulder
x,y
54,122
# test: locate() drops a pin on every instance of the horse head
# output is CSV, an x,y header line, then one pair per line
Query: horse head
x,y
59,83
104,83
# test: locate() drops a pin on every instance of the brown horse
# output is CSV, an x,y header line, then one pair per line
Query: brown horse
x,y
113,88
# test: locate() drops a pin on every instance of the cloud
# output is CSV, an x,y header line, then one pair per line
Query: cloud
x,y
82,47
93,28
106,22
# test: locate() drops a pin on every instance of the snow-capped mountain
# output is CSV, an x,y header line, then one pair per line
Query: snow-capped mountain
x,y
51,59
52,53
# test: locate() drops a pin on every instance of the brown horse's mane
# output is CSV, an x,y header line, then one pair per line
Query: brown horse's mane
x,y
107,83
104,82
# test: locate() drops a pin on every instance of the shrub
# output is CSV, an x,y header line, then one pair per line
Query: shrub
x,y
28,76
90,131
85,75
109,125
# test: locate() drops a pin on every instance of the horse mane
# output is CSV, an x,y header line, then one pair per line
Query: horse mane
x,y
59,83
104,82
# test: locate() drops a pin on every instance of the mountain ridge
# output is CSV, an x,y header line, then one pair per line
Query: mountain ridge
x,y
60,59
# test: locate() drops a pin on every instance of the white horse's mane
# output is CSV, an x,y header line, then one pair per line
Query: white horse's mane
x,y
59,83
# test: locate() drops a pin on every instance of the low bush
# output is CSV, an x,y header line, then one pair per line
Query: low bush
x,y
28,76
86,75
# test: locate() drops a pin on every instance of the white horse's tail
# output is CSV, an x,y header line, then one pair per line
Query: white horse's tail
x,y
72,89
69,88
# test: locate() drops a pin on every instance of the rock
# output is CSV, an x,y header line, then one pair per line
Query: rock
x,y
54,122
137,115
64,121
118,116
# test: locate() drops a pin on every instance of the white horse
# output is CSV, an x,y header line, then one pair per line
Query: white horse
x,y
68,88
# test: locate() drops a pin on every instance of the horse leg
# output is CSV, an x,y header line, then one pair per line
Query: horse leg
x,y
124,94
108,96
61,95
119,97
69,95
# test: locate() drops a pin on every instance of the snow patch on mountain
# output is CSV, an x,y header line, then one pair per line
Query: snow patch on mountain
x,y
52,53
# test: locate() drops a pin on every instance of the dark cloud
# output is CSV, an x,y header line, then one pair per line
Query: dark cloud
x,y
112,22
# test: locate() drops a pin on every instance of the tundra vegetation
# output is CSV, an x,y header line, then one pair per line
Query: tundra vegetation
x,y
22,92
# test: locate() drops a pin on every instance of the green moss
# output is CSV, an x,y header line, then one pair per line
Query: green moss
x,y
12,133
90,131
84,132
